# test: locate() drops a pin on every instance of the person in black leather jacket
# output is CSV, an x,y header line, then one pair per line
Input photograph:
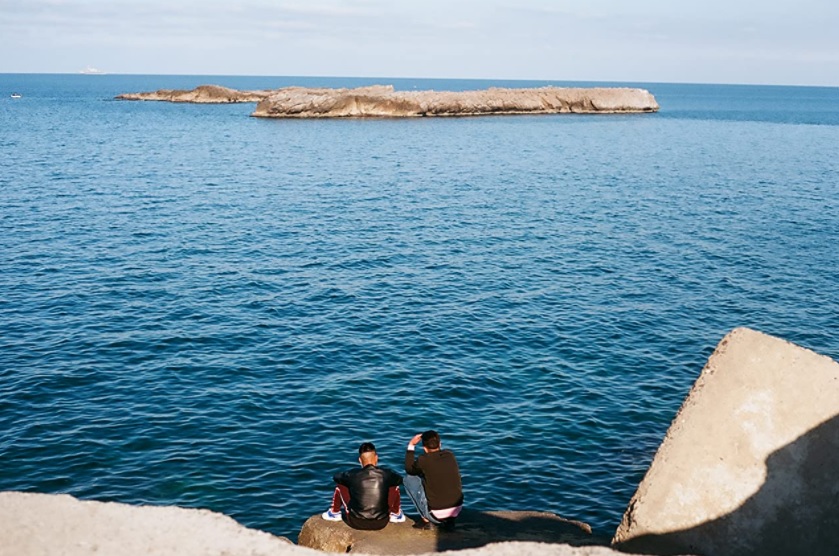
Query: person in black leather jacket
x,y
367,498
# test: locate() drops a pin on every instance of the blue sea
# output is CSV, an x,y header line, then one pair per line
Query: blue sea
x,y
209,310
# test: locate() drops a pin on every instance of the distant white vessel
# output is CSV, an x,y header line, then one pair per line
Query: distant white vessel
x,y
16,95
92,71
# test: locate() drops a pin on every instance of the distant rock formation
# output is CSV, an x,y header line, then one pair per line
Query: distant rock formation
x,y
382,101
474,529
749,463
203,94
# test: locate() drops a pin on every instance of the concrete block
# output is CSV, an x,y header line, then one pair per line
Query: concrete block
x,y
48,524
748,466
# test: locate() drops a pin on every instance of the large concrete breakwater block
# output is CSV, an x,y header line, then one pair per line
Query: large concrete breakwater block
x,y
749,465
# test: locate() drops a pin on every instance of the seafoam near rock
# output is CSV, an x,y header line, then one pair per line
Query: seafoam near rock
x,y
749,463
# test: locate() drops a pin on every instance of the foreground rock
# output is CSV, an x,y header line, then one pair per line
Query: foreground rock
x,y
749,463
47,524
383,102
474,529
44,524
204,94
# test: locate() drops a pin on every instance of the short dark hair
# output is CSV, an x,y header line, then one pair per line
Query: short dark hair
x,y
431,440
366,447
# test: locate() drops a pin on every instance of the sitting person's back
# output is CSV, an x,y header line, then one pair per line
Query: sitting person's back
x,y
369,496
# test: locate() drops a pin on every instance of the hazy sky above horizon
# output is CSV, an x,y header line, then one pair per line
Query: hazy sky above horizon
x,y
770,42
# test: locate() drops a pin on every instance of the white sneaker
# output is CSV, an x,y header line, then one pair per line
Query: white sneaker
x,y
329,516
397,518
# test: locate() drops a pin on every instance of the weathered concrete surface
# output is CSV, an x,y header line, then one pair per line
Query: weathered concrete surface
x,y
749,463
45,524
383,101
203,94
474,529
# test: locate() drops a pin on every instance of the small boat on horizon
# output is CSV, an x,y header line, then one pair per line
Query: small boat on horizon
x,y
92,71
16,95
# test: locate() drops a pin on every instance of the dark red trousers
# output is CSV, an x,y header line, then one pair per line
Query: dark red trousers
x,y
342,498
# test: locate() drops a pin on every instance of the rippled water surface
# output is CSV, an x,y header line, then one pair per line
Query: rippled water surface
x,y
210,310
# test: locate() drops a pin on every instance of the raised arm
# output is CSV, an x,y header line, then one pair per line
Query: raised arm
x,y
410,461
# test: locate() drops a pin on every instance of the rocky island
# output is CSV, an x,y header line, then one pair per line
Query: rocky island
x,y
382,101
204,94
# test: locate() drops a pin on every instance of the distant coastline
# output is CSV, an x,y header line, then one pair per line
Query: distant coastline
x,y
382,101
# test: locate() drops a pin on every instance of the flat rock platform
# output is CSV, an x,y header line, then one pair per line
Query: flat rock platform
x,y
474,529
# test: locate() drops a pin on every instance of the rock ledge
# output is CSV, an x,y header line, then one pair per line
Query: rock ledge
x,y
474,529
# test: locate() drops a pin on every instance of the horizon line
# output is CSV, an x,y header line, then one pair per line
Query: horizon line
x,y
104,73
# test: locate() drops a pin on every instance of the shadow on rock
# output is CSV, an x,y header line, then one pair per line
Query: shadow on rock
x,y
475,529
795,511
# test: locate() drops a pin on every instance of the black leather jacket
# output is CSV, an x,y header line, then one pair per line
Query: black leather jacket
x,y
368,494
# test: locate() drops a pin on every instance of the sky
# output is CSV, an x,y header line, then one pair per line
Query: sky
x,y
778,42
